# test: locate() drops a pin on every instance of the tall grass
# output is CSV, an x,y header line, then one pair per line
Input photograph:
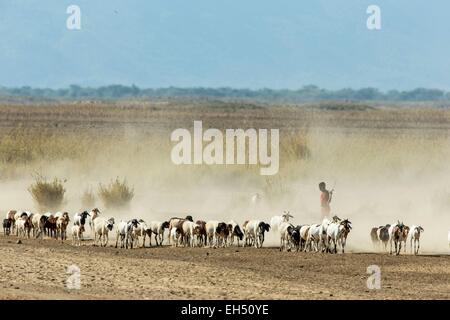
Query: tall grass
x,y
117,194
131,136
48,195
294,146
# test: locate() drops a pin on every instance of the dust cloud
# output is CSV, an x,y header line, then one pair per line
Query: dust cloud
x,y
378,179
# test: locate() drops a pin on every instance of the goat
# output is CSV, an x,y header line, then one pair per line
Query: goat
x,y
157,228
415,233
275,221
374,237
211,227
7,223
77,235
17,216
93,214
282,228
174,235
236,232
295,237
125,233
313,237
448,238
405,236
290,236
254,232
256,198
396,236
38,222
222,232
11,215
345,227
303,230
189,229
380,236
102,227
24,226
383,235
201,233
217,233
140,231
323,238
79,218
50,225
61,225
176,223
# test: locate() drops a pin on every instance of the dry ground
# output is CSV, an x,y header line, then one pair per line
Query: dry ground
x,y
36,269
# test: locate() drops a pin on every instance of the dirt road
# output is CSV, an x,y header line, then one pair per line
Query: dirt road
x,y
36,269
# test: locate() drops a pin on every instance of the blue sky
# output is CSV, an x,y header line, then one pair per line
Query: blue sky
x,y
242,44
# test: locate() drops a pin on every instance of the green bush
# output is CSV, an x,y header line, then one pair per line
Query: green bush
x,y
116,195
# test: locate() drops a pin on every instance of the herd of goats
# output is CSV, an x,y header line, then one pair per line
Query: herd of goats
x,y
327,236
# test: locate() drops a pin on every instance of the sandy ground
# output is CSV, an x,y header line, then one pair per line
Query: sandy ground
x,y
36,269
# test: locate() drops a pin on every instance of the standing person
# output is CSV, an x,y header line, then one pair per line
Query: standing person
x,y
325,199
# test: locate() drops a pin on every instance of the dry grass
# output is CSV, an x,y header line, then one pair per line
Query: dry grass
x,y
117,194
48,195
133,136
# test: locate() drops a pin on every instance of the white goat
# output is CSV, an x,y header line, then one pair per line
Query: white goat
x,y
125,233
38,222
17,216
414,235
211,236
21,228
254,232
284,236
313,238
94,214
275,221
337,235
323,234
77,235
102,227
256,198
304,236
448,238
189,228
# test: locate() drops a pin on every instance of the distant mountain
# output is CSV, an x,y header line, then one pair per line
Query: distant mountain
x,y
305,94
